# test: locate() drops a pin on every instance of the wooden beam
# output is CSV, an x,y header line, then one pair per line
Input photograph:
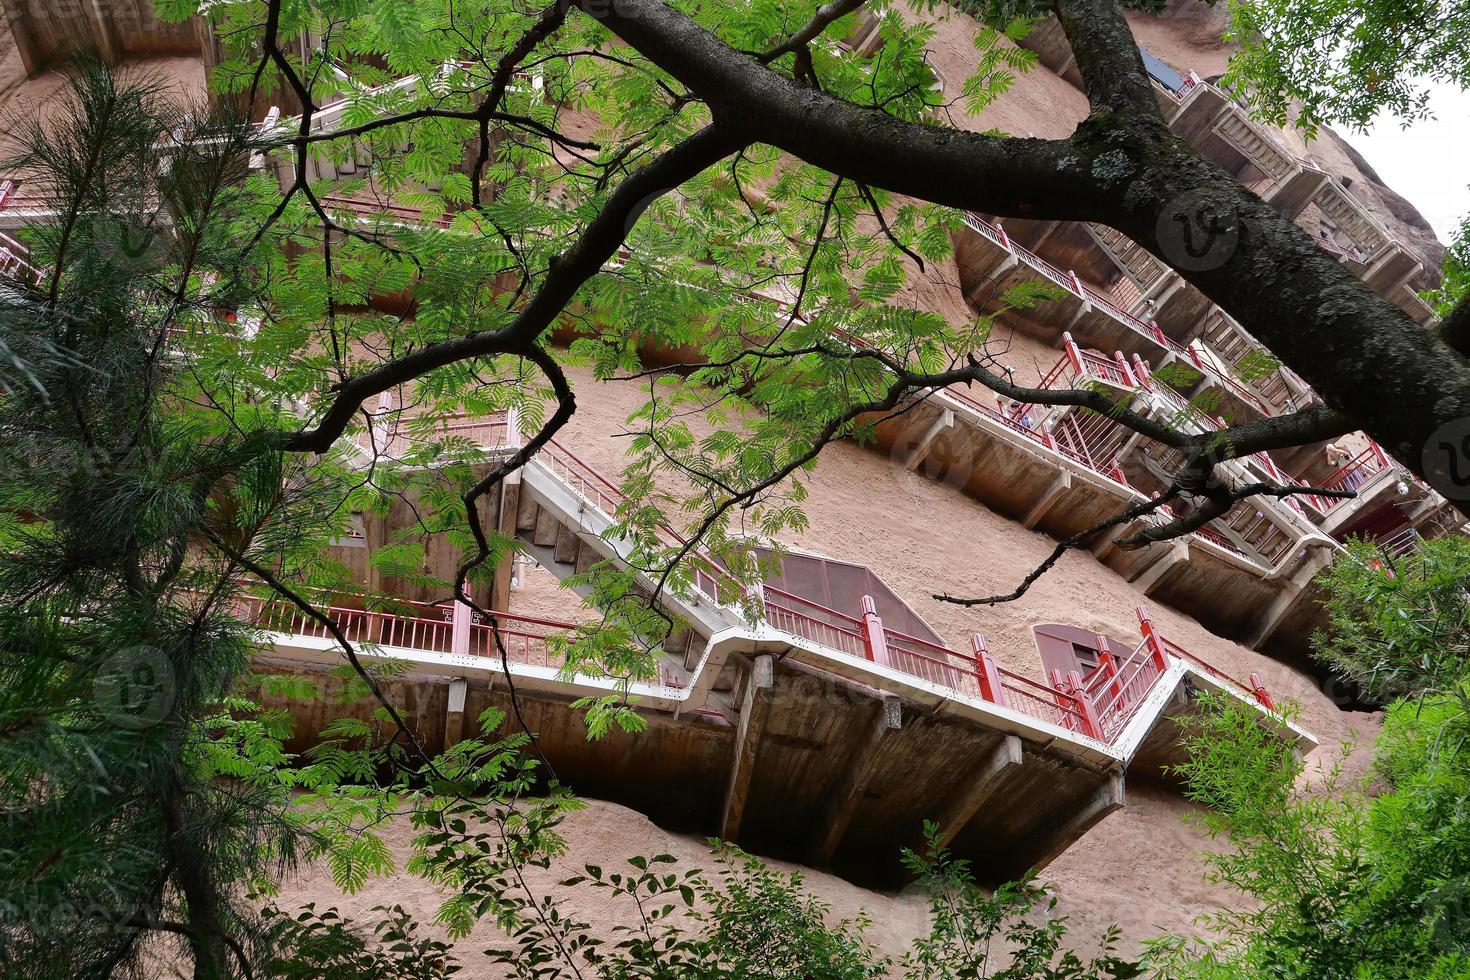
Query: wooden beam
x,y
543,535
978,787
1048,499
107,48
755,705
925,444
23,37
1051,842
842,805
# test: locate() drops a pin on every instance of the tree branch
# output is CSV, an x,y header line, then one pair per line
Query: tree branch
x,y
566,274
820,21
1108,58
1132,513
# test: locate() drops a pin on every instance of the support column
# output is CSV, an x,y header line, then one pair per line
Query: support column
x,y
1048,844
754,708
1282,604
925,444
1106,542
978,786
25,42
107,48
1048,499
454,712
843,803
985,280
1153,576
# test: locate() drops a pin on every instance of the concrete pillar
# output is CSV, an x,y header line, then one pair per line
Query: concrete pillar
x,y
454,712
925,444
975,789
1158,572
1106,542
848,794
1285,601
107,48
509,506
1048,499
755,706
1048,844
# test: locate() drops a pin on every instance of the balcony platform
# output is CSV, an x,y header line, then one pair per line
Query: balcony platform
x,y
822,756
807,733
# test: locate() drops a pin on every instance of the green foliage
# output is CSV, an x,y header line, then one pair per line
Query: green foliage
x,y
323,944
1342,884
763,923
1345,882
970,929
1456,272
1399,627
747,921
706,271
1345,61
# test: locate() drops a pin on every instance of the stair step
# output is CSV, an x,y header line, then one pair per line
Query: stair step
x,y
587,556
546,528
567,546
526,511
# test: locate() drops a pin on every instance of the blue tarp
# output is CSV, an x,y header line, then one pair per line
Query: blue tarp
x,y
1161,73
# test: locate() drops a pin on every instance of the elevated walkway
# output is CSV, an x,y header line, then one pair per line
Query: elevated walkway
x,y
805,733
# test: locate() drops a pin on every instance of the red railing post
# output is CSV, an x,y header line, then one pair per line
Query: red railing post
x,y
1378,453
990,686
1090,723
1123,365
1072,353
1076,284
1194,355
1004,238
1140,370
1060,687
1151,637
1108,664
459,628
1258,688
512,428
875,644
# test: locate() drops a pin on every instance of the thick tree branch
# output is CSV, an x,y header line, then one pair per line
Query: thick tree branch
x,y
566,274
812,29
1299,428
1118,168
1108,58
1042,178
